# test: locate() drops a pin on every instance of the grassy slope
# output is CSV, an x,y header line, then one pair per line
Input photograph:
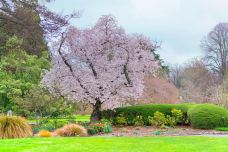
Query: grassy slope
x,y
116,144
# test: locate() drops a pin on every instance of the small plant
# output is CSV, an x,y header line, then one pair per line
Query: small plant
x,y
138,121
150,120
121,120
14,127
57,123
40,127
107,129
92,131
72,130
98,127
157,132
44,133
105,121
171,121
104,126
177,115
158,120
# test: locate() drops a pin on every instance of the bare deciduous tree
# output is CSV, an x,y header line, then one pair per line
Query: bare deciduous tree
x,y
196,83
215,44
175,74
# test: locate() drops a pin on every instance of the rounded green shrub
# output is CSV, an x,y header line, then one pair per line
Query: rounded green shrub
x,y
14,127
207,116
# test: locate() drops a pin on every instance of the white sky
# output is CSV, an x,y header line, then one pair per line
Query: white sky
x,y
178,24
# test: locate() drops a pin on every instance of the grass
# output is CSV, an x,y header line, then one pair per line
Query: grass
x,y
221,128
82,118
116,144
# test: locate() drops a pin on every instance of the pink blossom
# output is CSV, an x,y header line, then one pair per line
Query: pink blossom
x,y
100,63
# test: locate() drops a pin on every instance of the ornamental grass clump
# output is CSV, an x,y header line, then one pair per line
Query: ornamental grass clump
x,y
71,130
14,127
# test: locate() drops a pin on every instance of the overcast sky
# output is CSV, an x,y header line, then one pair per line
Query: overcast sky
x,y
178,24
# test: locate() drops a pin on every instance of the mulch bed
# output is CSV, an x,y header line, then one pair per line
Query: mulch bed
x,y
153,131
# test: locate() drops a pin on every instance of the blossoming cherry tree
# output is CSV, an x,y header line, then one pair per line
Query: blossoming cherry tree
x,y
101,65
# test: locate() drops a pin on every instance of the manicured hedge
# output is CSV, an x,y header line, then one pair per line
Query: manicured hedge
x,y
131,112
207,116
202,116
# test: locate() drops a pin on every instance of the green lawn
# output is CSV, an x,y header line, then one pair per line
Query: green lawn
x,y
116,144
83,118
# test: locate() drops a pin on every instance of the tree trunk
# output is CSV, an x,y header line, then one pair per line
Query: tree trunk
x,y
96,114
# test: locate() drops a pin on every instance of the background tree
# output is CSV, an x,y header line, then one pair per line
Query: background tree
x,y
215,45
19,72
195,82
32,22
175,75
39,102
163,70
101,65
157,89
25,27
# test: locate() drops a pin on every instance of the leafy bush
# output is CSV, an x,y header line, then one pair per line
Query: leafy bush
x,y
107,125
14,127
92,131
177,115
39,101
104,126
59,123
145,111
108,114
150,120
121,120
38,128
44,133
170,121
98,127
44,124
72,130
51,124
158,120
107,129
138,121
208,116
105,121
19,73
